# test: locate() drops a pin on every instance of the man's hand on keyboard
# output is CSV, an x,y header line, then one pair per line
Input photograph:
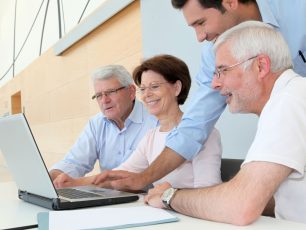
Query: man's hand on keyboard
x,y
119,180
64,180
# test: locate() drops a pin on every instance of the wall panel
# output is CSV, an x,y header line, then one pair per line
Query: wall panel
x,y
56,90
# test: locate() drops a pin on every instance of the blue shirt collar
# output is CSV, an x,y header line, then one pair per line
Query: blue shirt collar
x,y
136,116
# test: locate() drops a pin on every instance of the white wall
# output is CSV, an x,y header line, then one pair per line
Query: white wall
x,y
165,31
26,13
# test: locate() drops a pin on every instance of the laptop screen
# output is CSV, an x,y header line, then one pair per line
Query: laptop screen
x,y
32,177
23,158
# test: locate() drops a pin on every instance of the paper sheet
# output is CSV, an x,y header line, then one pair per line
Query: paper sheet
x,y
106,217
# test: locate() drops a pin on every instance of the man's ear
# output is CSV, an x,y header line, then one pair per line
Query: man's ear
x,y
230,4
263,65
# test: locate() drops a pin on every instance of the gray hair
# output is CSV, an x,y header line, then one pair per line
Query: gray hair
x,y
113,71
252,38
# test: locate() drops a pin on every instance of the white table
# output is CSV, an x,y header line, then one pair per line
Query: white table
x,y
15,213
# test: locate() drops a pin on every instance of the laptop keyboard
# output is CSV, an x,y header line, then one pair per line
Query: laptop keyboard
x,y
75,194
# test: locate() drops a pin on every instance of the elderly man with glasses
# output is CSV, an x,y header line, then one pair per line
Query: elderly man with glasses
x,y
112,135
254,73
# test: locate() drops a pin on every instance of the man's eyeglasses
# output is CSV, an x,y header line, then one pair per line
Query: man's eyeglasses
x,y
108,93
155,86
223,69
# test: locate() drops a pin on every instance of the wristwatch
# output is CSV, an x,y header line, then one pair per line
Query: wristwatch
x,y
167,197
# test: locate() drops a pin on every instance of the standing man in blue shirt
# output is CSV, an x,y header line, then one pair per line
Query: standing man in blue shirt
x,y
210,18
111,136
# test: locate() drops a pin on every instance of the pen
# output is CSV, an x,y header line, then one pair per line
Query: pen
x,y
302,56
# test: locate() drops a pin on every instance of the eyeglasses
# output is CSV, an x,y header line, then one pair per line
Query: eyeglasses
x,y
223,69
108,93
155,86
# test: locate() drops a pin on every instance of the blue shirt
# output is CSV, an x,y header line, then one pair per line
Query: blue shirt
x,y
102,140
288,17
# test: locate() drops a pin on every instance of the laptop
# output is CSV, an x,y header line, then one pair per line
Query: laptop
x,y
30,173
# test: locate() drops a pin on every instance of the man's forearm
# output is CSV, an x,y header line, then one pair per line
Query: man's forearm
x,y
216,203
165,163
239,201
86,180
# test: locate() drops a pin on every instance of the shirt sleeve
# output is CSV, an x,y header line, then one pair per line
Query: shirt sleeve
x,y
206,165
280,136
202,113
82,156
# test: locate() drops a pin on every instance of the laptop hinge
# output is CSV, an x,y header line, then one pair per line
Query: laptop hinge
x,y
38,200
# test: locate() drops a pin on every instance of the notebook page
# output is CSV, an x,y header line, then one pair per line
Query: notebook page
x,y
107,217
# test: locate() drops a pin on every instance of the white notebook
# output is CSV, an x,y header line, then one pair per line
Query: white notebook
x,y
104,218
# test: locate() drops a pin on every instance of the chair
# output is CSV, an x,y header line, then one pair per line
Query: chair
x,y
229,168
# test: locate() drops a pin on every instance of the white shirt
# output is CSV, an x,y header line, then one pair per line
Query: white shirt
x,y
202,171
281,139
